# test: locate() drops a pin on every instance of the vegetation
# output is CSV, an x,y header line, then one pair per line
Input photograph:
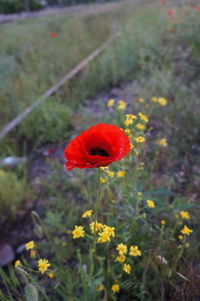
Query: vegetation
x,y
146,246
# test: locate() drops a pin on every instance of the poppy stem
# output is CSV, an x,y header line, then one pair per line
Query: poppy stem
x,y
97,205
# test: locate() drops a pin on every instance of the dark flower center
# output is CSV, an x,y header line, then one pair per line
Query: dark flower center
x,y
99,152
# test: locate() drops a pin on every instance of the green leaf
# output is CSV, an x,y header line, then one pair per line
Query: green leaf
x,y
31,293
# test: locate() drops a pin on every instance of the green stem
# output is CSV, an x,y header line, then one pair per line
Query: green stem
x,y
97,205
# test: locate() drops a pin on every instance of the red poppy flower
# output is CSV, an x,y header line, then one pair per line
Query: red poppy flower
x,y
100,145
170,12
53,34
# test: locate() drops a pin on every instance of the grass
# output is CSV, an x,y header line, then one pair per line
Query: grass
x,y
158,63
32,65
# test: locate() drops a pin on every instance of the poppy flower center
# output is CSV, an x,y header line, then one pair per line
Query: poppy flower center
x,y
99,152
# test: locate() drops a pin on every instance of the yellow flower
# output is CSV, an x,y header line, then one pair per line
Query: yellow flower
x,y
87,213
154,99
109,230
131,117
111,173
30,245
120,173
163,222
143,117
104,167
150,204
140,126
110,103
128,122
186,230
127,131
141,100
185,215
103,237
103,180
17,263
134,251
127,268
122,249
78,232
51,275
162,101
140,139
180,237
120,258
121,105
132,146
115,288
100,287
33,253
43,265
139,194
95,226
162,142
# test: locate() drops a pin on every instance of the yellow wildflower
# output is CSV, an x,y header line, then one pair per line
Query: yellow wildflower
x,y
33,253
87,213
95,226
163,222
120,173
110,173
78,232
51,275
150,204
140,126
154,99
100,287
115,288
110,103
140,139
186,230
134,251
17,263
30,245
180,237
43,265
104,167
103,237
143,117
141,100
162,101
127,268
128,122
131,145
131,117
127,131
185,215
122,249
121,105
162,142
103,180
109,230
120,258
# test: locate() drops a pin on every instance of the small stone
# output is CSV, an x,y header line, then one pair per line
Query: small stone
x,y
6,254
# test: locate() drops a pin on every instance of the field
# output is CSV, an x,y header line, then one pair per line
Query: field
x,y
145,244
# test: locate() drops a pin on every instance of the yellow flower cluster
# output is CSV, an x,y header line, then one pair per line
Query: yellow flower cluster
x,y
140,126
161,100
185,215
121,105
143,117
106,233
162,142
